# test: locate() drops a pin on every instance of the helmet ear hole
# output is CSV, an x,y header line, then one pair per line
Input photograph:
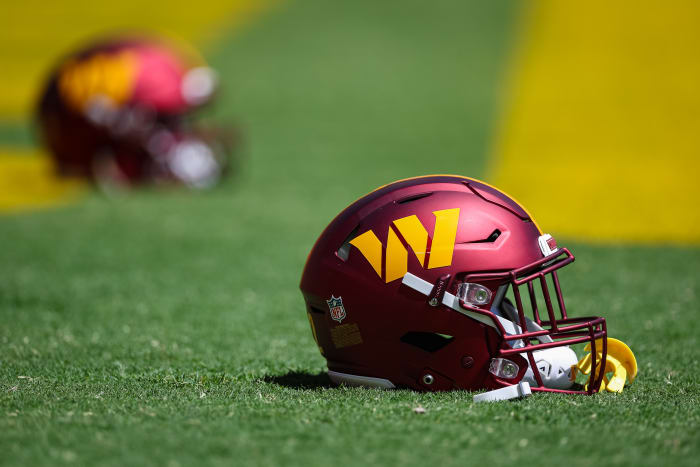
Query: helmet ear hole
x,y
428,341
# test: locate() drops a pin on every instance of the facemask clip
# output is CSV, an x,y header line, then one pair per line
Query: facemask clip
x,y
436,295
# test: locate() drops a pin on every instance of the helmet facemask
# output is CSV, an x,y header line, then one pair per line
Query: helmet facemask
x,y
533,328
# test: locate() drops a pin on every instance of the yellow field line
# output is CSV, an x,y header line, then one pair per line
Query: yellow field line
x,y
600,136
36,33
27,180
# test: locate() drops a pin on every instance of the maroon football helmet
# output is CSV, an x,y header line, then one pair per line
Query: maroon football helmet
x,y
441,283
119,111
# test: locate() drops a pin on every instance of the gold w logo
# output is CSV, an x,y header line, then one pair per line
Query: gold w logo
x,y
108,75
395,255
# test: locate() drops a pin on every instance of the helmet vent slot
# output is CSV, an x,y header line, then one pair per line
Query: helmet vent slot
x,y
318,311
344,251
411,198
493,236
428,341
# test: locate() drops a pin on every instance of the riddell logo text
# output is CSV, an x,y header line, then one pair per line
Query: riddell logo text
x,y
395,256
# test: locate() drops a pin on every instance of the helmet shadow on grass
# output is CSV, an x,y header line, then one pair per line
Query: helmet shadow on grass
x,y
301,380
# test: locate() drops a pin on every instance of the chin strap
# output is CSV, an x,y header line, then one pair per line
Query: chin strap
x,y
620,362
516,391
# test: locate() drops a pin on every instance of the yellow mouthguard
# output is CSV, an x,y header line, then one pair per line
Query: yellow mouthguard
x,y
620,362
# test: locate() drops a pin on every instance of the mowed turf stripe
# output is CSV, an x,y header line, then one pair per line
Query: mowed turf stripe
x,y
40,32
600,132
28,181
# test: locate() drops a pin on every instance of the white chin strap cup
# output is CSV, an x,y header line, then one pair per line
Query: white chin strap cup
x,y
515,391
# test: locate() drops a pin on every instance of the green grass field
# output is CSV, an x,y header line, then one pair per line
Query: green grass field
x,y
167,328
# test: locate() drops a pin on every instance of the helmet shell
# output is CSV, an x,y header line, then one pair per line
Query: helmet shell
x,y
389,331
114,101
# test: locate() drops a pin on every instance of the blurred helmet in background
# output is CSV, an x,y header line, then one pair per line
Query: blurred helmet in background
x,y
119,112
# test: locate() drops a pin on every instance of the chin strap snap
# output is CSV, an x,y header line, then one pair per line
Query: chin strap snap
x,y
620,362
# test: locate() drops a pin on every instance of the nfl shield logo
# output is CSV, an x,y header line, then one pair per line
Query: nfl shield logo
x,y
335,305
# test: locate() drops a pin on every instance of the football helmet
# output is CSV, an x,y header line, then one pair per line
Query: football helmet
x,y
119,111
444,282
